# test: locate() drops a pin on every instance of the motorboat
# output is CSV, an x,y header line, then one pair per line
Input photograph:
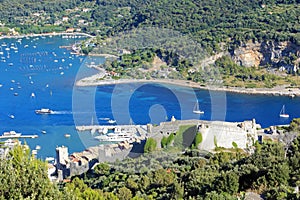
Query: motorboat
x,y
111,121
44,111
115,137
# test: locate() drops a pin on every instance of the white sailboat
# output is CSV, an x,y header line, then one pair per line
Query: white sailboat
x,y
196,109
282,113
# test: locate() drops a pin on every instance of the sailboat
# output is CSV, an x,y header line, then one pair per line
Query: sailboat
x,y
282,113
196,109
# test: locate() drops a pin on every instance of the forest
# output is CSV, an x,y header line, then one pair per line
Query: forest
x,y
209,22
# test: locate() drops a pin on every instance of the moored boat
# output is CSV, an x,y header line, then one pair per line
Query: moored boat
x,y
11,134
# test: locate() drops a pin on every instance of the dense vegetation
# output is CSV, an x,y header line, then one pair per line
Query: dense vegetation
x,y
272,171
23,177
209,22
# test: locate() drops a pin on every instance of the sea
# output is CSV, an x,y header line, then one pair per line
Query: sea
x,y
39,72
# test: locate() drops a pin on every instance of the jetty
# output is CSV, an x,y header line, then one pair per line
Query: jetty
x,y
18,136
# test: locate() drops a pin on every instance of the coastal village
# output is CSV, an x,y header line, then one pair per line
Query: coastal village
x,y
242,135
132,139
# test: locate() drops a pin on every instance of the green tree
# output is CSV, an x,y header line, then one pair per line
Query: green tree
x,y
150,145
24,177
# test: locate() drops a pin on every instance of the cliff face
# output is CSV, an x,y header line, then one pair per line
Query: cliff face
x,y
278,54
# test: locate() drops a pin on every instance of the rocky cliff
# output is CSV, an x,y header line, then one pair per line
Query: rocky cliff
x,y
277,54
285,55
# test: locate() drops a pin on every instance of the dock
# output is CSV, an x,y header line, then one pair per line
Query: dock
x,y
16,136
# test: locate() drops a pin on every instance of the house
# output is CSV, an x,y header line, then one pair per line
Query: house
x,y
65,19
70,30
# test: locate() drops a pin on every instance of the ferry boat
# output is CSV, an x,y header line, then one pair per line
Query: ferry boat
x,y
44,111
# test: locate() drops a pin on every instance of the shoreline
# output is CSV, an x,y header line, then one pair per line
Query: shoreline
x,y
44,34
96,80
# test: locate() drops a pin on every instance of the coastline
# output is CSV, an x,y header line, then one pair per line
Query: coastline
x,y
97,80
44,34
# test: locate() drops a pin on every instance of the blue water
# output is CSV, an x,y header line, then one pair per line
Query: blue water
x,y
50,72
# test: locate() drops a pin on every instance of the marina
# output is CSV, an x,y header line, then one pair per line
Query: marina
x,y
117,133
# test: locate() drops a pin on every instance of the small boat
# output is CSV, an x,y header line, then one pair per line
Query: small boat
x,y
196,109
67,135
37,147
43,131
111,121
50,159
44,111
282,113
12,116
32,95
16,94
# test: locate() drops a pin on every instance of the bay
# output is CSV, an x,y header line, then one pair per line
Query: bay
x,y
37,65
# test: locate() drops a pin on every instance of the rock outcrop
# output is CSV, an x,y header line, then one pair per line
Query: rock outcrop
x,y
275,54
278,54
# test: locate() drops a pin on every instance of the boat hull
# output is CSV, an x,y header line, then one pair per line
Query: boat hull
x,y
284,115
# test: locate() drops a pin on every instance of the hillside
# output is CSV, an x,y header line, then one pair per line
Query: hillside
x,y
257,34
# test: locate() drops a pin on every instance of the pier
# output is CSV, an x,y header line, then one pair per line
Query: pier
x,y
18,136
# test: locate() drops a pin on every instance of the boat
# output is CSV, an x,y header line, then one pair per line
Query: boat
x,y
282,113
67,135
44,111
11,134
32,95
12,116
50,159
44,132
115,137
111,121
103,130
37,147
196,109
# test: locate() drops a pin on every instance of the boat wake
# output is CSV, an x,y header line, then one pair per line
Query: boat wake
x,y
62,113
